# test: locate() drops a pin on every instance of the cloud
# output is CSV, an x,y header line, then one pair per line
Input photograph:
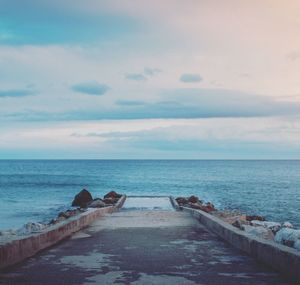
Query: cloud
x,y
129,103
213,137
16,93
184,103
91,88
136,76
198,138
145,75
151,71
189,77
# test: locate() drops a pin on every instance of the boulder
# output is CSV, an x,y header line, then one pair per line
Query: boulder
x,y
63,215
112,194
181,201
193,199
239,218
82,199
257,218
209,207
297,244
289,237
59,219
8,232
31,227
97,203
287,225
52,222
273,226
238,224
110,201
69,213
259,231
195,206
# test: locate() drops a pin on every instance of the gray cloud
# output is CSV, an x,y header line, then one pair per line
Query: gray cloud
x,y
129,103
91,88
113,135
208,142
190,77
175,104
16,93
136,76
143,76
151,71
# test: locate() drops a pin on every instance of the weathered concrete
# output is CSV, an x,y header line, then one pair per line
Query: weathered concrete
x,y
20,248
282,258
142,247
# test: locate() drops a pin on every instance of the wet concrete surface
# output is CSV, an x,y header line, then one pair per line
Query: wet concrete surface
x,y
142,247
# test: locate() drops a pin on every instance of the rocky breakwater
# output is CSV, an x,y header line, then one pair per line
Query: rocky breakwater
x,y
81,203
283,233
84,199
195,203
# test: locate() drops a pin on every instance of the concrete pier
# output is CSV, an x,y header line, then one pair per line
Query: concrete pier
x,y
142,247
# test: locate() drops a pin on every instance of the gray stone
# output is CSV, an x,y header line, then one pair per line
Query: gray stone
x,y
97,203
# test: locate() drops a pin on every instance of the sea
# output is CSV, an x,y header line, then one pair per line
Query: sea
x,y
36,190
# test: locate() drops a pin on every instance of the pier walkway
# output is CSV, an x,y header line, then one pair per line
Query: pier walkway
x,y
140,246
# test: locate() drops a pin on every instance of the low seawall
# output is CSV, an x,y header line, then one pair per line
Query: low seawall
x,y
281,258
19,249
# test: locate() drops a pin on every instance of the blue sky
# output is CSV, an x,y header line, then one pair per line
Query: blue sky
x,y
145,79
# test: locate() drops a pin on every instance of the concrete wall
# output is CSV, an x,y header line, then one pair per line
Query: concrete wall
x,y
24,247
174,203
282,258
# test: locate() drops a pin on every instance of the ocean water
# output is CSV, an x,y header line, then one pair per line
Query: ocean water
x,y
36,190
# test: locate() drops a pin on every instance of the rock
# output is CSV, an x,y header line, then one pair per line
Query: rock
x,y
82,199
241,219
181,201
31,227
195,206
238,224
8,232
273,226
97,203
52,222
60,219
193,199
297,244
289,237
110,201
112,194
62,215
209,207
69,213
287,225
259,231
257,218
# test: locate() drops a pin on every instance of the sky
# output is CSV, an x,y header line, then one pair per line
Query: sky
x,y
139,79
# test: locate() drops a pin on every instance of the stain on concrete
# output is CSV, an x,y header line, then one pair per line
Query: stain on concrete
x,y
80,235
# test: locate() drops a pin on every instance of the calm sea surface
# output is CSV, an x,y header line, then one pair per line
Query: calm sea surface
x,y
35,190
